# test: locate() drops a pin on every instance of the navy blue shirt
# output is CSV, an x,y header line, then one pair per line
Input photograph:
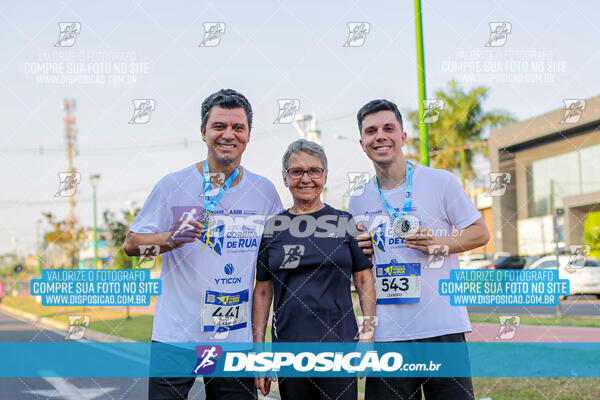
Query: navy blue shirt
x,y
311,277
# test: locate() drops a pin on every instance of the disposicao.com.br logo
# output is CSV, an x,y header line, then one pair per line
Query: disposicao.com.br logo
x,y
351,362
339,359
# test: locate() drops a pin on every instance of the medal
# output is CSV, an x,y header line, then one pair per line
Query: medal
x,y
402,222
208,219
404,225
210,202
401,228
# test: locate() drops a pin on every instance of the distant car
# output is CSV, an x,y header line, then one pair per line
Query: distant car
x,y
499,254
531,259
508,262
583,279
474,261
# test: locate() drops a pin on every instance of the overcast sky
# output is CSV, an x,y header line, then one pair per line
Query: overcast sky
x,y
269,51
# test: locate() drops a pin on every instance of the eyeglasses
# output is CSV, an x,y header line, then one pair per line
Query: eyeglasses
x,y
297,173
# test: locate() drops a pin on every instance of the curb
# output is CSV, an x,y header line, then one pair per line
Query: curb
x,y
90,334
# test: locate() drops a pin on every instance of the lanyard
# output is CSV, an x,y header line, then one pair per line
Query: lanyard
x,y
211,202
407,195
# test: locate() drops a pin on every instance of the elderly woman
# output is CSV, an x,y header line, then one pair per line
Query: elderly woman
x,y
304,267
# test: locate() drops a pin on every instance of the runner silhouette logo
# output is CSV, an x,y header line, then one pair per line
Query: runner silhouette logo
x,y
499,182
207,359
292,255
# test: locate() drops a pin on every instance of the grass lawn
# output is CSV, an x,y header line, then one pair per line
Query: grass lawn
x,y
102,319
537,388
551,321
531,388
139,328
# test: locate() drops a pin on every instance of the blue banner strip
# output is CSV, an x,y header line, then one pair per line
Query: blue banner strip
x,y
81,359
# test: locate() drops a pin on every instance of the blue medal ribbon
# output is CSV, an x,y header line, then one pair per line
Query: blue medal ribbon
x,y
211,202
407,195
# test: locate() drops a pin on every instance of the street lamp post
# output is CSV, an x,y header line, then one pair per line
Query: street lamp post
x,y
38,222
423,132
94,178
134,259
15,290
37,246
131,207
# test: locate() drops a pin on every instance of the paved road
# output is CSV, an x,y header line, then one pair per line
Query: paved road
x,y
577,306
574,305
15,330
532,333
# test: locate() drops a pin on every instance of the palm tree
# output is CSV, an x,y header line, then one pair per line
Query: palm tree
x,y
458,133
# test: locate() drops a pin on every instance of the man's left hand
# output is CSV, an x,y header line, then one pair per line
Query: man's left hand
x,y
420,239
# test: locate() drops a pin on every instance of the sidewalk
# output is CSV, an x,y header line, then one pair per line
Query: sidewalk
x,y
60,327
149,310
484,332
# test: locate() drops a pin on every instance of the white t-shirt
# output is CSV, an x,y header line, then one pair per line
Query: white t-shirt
x,y
439,203
207,284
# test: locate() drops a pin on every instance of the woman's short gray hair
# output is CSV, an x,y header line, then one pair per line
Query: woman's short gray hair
x,y
306,146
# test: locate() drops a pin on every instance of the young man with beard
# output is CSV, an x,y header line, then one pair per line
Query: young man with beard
x,y
403,205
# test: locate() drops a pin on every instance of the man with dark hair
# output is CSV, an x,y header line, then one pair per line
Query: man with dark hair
x,y
227,99
375,106
197,225
405,203
209,236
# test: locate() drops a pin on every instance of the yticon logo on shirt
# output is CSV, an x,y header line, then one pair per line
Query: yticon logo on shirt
x,y
228,269
207,359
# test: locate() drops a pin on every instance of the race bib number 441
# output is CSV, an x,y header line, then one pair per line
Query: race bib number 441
x,y
224,310
398,282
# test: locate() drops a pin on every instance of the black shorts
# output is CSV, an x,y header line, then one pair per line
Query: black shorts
x,y
179,388
318,388
413,388
215,388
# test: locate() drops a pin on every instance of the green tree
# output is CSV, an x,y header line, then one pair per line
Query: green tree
x,y
591,233
462,122
118,230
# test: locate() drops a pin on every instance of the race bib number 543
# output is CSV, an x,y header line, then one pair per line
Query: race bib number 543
x,y
398,282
